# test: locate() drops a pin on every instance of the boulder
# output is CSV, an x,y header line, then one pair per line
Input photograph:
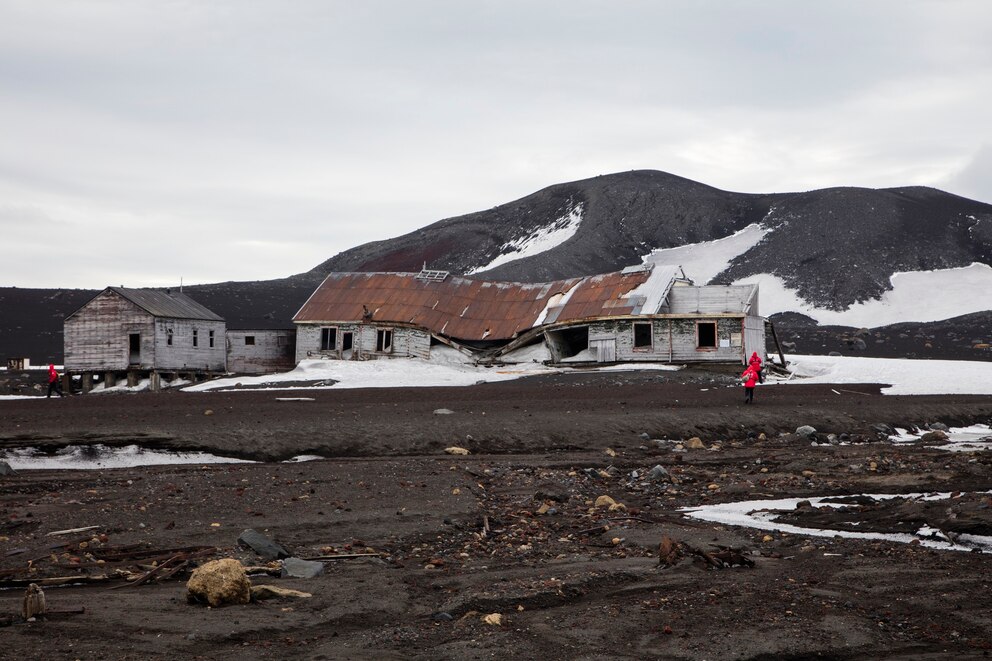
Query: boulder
x,y
262,545
219,583
5,469
658,473
806,431
456,450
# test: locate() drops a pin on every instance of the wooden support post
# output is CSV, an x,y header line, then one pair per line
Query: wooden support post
x,y
87,382
109,379
781,356
132,378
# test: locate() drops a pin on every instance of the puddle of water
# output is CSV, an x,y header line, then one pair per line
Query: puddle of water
x,y
959,439
98,456
754,514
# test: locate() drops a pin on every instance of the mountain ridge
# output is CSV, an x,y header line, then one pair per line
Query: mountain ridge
x,y
834,246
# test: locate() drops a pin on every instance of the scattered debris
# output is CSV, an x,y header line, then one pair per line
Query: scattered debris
x,y
70,531
34,602
262,545
261,592
299,568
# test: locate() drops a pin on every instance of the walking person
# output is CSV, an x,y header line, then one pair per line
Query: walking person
x,y
54,381
755,362
750,379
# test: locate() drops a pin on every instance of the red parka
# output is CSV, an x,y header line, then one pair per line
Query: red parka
x,y
53,375
750,376
755,361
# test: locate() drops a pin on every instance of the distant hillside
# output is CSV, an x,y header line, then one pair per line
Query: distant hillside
x,y
832,248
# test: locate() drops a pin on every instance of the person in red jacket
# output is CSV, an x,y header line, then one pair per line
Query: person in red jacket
x,y
750,378
755,362
53,381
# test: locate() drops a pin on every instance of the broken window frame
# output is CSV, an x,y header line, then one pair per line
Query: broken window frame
x,y
384,340
699,333
329,333
168,337
650,336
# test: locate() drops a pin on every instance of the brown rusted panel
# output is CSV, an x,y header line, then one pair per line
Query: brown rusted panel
x,y
462,307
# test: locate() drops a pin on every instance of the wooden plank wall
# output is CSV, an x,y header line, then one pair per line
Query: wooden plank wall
x,y
96,336
273,351
182,355
407,342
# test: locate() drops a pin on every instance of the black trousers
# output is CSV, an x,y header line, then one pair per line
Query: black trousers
x,y
56,386
748,394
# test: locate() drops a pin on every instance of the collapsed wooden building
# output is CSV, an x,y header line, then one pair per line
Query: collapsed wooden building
x,y
643,313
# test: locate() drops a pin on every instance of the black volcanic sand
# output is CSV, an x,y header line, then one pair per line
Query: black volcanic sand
x,y
542,452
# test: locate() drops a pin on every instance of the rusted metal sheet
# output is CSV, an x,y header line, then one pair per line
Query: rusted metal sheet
x,y
470,309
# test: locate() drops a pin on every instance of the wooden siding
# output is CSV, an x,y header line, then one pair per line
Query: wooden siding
x,y
182,355
408,342
273,351
754,337
710,299
96,338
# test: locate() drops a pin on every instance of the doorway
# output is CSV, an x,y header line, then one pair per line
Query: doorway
x,y
134,349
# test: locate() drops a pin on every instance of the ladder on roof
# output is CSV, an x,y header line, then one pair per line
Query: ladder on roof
x,y
428,275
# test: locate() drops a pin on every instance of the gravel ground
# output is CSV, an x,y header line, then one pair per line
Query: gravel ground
x,y
512,528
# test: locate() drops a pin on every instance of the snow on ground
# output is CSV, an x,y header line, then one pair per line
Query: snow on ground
x,y
704,261
750,514
558,232
959,439
907,377
98,456
447,367
915,296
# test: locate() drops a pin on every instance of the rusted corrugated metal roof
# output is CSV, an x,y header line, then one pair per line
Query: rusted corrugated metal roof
x,y
469,309
175,305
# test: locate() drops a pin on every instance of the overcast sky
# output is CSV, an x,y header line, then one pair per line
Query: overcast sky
x,y
210,140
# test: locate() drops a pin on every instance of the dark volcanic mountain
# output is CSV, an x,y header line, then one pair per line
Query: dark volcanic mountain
x,y
834,246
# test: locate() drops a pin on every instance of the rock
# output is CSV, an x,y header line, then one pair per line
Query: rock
x,y
208,412
219,583
658,474
806,431
495,619
443,411
262,545
551,493
299,568
695,443
441,616
605,501
938,426
611,452
457,450
883,428
644,436
936,437
260,592
835,354
5,469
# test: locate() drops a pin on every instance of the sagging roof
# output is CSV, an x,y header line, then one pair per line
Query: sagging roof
x,y
170,304
469,309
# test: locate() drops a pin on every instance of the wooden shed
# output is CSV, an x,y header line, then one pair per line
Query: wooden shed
x,y
643,313
143,332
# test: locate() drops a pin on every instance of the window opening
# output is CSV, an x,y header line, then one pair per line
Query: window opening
x,y
168,337
249,340
384,340
706,335
642,335
196,338
346,341
211,339
328,339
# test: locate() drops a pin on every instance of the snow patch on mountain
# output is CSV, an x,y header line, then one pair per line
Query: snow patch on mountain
x,y
702,262
916,296
541,240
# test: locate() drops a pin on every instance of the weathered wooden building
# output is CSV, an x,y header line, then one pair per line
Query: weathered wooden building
x,y
643,313
260,350
143,333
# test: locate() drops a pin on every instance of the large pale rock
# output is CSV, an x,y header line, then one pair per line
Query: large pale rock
x,y
219,583
695,443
